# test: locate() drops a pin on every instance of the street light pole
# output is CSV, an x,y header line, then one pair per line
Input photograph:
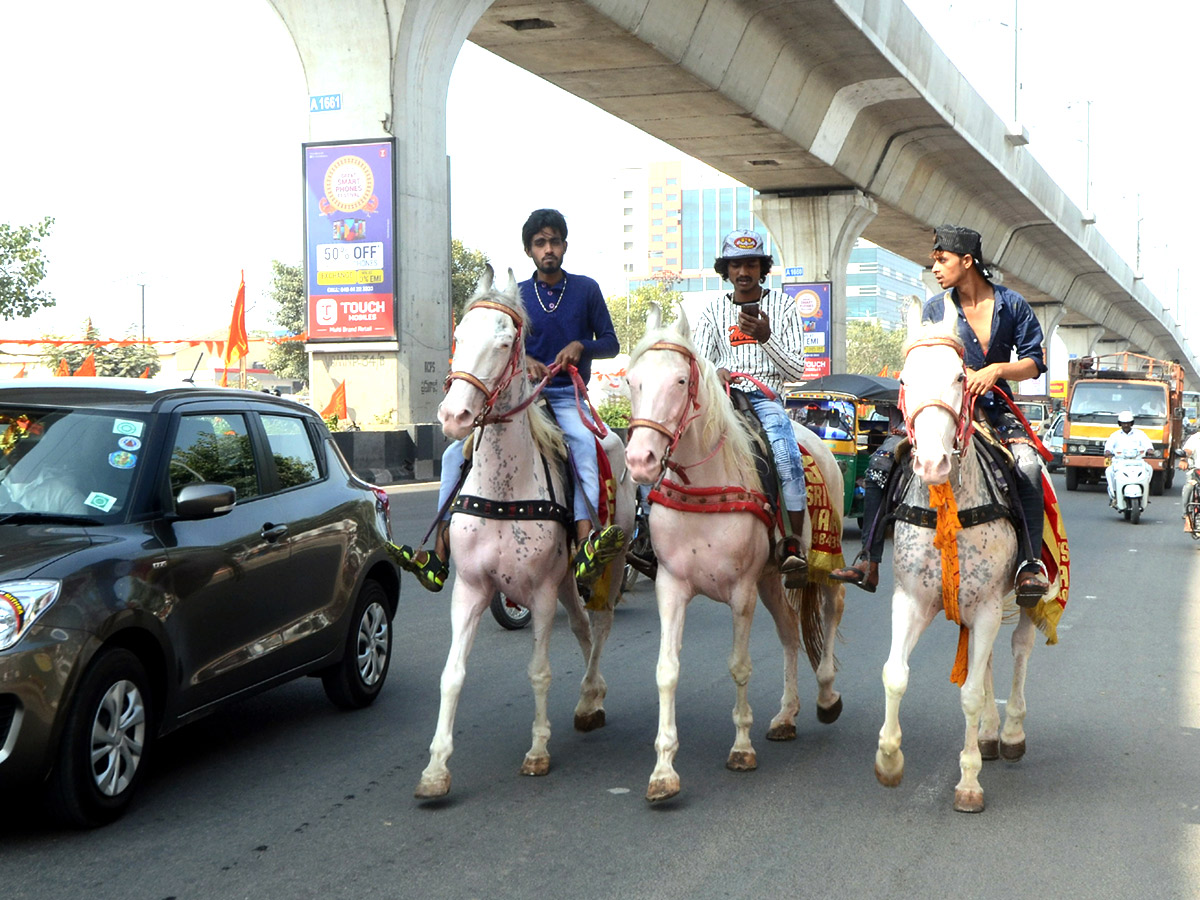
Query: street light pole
x,y
143,287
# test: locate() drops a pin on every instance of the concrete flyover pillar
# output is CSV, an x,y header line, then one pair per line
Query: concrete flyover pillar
x,y
818,232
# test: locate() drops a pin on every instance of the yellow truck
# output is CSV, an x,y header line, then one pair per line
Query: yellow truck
x,y
1099,389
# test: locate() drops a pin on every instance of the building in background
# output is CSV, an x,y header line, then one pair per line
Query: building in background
x,y
675,214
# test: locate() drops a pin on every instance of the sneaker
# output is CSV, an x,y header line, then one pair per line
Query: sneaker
x,y
431,572
597,552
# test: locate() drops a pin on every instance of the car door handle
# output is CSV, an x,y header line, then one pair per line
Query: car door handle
x,y
273,533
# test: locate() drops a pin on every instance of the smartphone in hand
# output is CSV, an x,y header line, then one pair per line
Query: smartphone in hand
x,y
750,309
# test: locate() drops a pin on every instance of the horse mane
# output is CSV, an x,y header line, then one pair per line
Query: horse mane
x,y
547,436
718,417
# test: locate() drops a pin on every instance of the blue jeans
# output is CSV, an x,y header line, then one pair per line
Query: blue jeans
x,y
778,426
581,441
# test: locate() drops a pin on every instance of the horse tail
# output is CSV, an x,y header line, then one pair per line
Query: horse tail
x,y
806,601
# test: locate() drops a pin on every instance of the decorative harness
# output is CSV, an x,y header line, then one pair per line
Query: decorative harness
x,y
684,497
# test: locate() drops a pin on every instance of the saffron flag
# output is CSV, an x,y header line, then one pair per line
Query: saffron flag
x,y
883,372
238,342
337,403
63,369
145,373
88,366
21,374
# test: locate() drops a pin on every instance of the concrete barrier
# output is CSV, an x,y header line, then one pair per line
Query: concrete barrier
x,y
412,453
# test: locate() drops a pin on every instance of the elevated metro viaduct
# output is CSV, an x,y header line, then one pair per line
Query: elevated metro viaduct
x,y
843,114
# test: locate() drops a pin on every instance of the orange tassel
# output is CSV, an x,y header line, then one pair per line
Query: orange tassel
x,y
941,498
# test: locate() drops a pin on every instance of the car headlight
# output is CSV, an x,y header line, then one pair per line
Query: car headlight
x,y
21,604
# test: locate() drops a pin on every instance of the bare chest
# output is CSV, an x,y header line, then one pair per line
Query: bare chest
x,y
979,317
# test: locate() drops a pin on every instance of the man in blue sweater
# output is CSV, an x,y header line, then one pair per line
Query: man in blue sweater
x,y
569,324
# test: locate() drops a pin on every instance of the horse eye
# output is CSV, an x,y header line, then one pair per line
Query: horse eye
x,y
962,376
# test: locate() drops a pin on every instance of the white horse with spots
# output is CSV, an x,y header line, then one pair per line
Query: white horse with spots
x,y
508,531
683,423
967,572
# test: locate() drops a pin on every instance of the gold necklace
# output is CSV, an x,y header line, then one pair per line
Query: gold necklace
x,y
554,304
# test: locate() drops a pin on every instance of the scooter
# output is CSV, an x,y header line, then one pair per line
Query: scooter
x,y
1129,488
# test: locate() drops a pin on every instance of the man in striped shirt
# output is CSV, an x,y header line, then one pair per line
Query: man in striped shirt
x,y
758,332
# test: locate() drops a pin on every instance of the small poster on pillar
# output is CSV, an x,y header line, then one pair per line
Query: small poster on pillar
x,y
813,304
350,240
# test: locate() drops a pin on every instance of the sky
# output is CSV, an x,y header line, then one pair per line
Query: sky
x,y
168,148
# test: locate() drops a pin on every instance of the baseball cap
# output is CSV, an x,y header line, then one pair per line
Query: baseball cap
x,y
741,244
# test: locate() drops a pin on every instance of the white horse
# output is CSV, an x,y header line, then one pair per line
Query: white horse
x,y
967,572
682,420
509,528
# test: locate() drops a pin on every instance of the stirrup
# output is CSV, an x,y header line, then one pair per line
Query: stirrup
x,y
431,573
597,552
855,574
1030,587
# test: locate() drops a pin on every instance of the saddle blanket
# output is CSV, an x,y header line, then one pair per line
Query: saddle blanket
x,y
825,554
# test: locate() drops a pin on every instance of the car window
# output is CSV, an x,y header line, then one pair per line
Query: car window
x,y
295,460
214,448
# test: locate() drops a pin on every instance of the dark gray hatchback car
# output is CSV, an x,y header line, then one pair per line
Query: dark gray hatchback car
x,y
164,552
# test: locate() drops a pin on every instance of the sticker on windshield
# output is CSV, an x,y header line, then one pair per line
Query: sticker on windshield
x,y
102,502
129,427
129,443
122,459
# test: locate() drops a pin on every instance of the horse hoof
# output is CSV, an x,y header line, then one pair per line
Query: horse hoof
x,y
827,715
783,732
430,788
535,765
889,779
742,761
968,801
589,721
1012,752
989,749
662,788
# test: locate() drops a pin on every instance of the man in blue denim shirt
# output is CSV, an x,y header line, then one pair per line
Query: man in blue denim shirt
x,y
995,325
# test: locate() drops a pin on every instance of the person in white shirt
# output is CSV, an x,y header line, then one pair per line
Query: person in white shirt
x,y
1191,447
1125,442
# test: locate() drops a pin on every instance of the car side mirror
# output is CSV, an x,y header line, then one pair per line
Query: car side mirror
x,y
204,500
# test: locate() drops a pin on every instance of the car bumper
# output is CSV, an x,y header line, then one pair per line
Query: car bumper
x,y
34,678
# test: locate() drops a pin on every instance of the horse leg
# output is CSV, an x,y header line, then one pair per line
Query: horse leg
x,y
465,610
909,620
591,634
1012,739
741,756
787,626
537,760
833,604
672,609
989,725
968,793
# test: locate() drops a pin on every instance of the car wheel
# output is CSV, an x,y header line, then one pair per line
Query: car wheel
x,y
356,681
1072,477
509,614
105,742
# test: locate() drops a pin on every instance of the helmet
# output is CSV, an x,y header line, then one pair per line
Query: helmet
x,y
1125,418
741,244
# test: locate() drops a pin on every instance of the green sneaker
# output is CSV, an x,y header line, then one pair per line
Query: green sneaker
x,y
431,572
597,552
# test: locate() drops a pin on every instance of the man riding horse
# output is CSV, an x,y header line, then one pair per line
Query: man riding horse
x,y
993,322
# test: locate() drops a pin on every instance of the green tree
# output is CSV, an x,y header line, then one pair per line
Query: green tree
x,y
466,268
287,359
629,312
128,361
870,347
22,267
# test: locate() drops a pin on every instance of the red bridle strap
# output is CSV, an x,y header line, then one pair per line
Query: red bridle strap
x,y
963,417
691,409
511,369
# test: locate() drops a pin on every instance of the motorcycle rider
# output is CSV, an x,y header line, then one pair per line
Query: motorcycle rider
x,y
1191,459
1125,442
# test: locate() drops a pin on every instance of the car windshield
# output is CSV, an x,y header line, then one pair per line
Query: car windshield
x,y
831,419
65,463
1106,399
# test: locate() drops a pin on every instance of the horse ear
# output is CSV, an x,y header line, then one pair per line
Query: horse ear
x,y
654,317
681,324
949,324
485,280
915,308
512,288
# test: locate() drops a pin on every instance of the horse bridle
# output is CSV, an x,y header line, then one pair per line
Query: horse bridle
x,y
511,370
691,408
964,416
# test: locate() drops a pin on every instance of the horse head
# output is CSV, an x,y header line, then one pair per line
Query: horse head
x,y
489,355
933,384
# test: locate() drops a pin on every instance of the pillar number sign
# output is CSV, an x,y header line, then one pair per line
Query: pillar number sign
x,y
813,304
349,240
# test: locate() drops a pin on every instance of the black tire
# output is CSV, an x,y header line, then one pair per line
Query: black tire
x,y
112,715
1156,483
1168,477
1135,514
1072,477
356,681
508,614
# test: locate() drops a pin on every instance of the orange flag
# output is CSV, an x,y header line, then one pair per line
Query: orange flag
x,y
883,372
337,403
21,374
88,366
145,373
63,369
238,342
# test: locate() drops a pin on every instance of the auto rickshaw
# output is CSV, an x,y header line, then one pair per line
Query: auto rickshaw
x,y
851,414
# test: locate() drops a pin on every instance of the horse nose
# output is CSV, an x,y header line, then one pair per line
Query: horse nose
x,y
933,471
644,464
454,422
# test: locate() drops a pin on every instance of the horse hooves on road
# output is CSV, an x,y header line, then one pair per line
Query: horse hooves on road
x,y
662,789
968,801
829,715
989,749
433,788
535,765
1012,752
784,732
742,761
589,721
887,779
